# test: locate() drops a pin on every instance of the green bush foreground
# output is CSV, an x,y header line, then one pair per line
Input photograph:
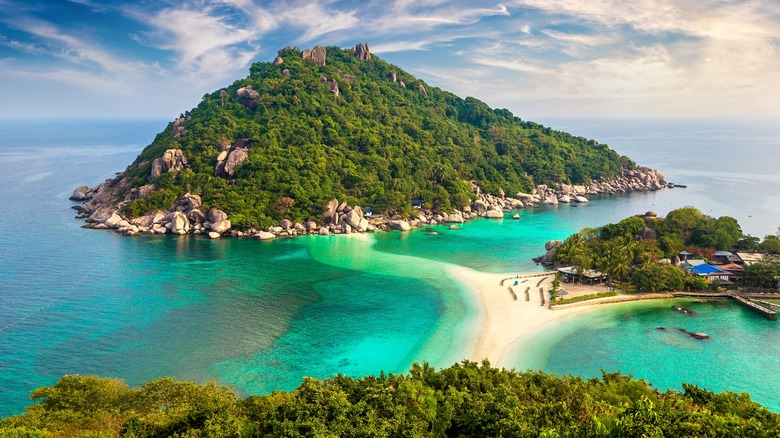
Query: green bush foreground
x,y
466,399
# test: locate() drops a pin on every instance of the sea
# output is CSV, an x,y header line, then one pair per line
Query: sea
x,y
260,316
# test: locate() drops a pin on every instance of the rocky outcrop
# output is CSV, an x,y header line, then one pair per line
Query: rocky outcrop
x,y
178,126
421,90
172,159
286,72
227,168
81,193
348,78
178,223
229,160
317,55
393,77
549,258
278,60
334,87
362,52
248,97
187,203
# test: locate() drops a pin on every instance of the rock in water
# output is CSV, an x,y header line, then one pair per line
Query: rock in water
x,y
264,235
80,194
179,223
399,225
494,214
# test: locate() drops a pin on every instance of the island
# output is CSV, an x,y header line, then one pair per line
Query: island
x,y
333,141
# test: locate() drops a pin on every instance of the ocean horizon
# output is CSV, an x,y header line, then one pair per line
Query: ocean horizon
x,y
259,316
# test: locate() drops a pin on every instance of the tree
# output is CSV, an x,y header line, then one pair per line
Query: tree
x,y
771,244
764,273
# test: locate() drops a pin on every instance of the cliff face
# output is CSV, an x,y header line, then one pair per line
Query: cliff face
x,y
314,127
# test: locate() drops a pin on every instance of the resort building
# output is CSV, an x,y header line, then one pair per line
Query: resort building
x,y
569,274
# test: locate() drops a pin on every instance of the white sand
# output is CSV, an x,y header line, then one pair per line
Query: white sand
x,y
507,320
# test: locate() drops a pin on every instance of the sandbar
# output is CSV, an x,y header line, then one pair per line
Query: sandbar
x,y
507,320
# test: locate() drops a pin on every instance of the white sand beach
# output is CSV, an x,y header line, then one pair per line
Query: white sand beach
x,y
507,320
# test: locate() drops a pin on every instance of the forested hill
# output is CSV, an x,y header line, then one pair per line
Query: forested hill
x,y
332,123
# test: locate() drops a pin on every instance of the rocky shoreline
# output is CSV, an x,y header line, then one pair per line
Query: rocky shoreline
x,y
102,211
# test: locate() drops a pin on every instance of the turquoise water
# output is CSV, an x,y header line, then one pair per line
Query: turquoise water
x,y
741,355
258,315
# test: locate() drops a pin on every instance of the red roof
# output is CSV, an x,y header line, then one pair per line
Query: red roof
x,y
732,267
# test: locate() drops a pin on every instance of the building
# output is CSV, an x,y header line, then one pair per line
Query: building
x,y
710,273
751,257
724,258
738,271
570,274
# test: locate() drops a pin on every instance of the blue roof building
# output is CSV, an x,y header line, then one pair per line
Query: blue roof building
x,y
710,272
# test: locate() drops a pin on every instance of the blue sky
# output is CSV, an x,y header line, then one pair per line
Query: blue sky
x,y
541,59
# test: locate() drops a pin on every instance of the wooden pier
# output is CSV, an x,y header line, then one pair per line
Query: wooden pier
x,y
767,312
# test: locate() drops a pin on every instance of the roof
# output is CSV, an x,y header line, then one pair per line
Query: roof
x,y
695,262
590,273
723,253
751,257
732,267
708,270
685,253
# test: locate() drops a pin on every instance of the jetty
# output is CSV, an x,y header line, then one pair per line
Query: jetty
x,y
747,302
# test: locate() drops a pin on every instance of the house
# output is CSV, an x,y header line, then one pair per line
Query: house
x,y
684,255
417,203
724,258
711,273
735,269
749,258
692,263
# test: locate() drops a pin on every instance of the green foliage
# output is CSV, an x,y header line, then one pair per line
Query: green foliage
x,y
157,200
629,227
657,278
466,399
771,244
587,297
764,273
697,229
377,145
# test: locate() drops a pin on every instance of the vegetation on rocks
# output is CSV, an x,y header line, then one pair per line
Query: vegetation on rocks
x,y
284,141
466,399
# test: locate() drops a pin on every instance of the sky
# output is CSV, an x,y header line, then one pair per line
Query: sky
x,y
541,59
